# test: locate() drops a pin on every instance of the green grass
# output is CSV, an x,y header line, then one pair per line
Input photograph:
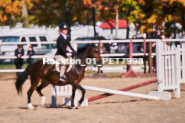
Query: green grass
x,y
10,66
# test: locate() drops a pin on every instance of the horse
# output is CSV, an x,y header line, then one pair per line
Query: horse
x,y
45,74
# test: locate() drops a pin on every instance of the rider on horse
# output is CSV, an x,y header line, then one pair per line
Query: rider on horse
x,y
63,47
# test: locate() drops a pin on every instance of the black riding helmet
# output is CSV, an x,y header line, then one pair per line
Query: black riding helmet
x,y
63,25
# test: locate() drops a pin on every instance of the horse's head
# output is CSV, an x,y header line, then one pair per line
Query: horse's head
x,y
89,51
93,52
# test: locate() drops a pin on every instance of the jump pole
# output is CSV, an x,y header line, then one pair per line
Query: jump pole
x,y
130,94
123,89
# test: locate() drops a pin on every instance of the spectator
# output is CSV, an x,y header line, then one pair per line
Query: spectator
x,y
30,53
158,33
137,31
157,36
19,52
182,37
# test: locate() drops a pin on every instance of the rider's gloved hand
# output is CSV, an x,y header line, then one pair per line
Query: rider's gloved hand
x,y
73,54
69,54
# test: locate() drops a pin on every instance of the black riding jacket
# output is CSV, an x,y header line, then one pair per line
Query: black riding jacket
x,y
18,51
62,45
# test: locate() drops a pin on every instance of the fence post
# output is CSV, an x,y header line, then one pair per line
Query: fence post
x,y
150,57
159,64
178,72
144,56
99,50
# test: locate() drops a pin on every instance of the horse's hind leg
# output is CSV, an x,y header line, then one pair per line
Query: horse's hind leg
x,y
30,91
34,84
39,88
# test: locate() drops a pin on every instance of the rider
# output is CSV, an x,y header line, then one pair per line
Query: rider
x,y
63,44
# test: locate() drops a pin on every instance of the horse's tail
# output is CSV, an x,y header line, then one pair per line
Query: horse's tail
x,y
21,79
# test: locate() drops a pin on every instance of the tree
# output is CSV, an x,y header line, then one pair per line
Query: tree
x,y
26,4
128,9
9,10
157,11
53,12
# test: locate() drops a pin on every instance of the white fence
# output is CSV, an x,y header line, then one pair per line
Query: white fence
x,y
170,66
74,44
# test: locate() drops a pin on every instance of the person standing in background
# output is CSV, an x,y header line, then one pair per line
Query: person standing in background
x,y
182,37
30,53
19,52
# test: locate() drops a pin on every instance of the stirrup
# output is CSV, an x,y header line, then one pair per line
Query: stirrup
x,y
61,81
63,78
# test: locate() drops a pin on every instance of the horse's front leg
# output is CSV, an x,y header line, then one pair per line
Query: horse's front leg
x,y
73,96
83,94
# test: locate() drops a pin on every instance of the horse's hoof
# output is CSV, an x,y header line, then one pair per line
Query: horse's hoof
x,y
74,107
42,100
30,106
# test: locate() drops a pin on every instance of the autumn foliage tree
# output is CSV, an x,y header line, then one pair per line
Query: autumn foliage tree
x,y
12,11
157,12
9,10
53,12
148,13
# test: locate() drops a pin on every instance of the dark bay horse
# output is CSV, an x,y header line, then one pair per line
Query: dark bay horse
x,y
44,75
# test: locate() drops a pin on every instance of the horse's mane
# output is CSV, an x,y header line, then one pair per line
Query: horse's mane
x,y
83,49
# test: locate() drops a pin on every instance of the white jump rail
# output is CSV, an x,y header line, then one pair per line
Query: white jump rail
x,y
130,94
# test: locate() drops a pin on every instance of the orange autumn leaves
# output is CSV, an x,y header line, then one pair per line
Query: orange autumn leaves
x,y
171,1
7,7
11,7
